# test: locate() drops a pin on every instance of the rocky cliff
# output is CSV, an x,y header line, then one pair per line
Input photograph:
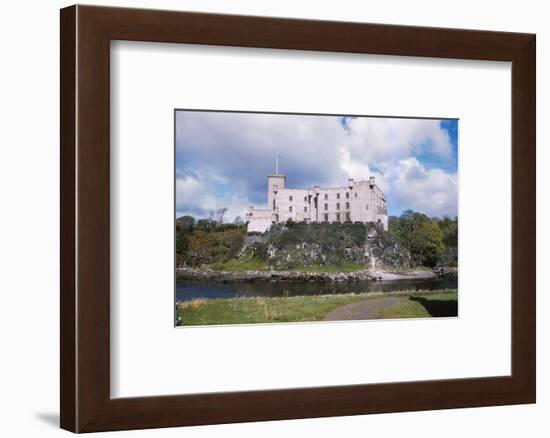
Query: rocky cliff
x,y
290,246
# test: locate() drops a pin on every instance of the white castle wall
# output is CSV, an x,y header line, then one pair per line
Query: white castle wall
x,y
359,201
260,220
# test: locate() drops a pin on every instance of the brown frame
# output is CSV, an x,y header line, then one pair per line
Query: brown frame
x,y
86,32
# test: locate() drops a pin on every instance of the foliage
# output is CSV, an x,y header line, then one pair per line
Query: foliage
x,y
205,242
421,235
412,238
240,264
186,221
449,229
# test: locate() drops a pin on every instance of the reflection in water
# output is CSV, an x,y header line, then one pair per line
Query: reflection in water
x,y
187,290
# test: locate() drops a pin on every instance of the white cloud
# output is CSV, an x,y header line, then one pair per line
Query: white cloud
x,y
225,157
242,147
358,169
385,139
196,197
431,191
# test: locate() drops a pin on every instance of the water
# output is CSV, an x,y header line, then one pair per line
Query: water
x,y
187,290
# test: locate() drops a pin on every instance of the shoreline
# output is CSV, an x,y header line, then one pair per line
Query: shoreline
x,y
300,277
316,308
366,295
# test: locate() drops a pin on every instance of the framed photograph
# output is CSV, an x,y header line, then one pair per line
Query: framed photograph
x,y
362,223
266,218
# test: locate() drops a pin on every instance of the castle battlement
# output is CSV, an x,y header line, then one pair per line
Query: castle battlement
x,y
359,201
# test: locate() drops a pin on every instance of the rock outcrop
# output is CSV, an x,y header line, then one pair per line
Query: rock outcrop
x,y
291,246
297,277
272,276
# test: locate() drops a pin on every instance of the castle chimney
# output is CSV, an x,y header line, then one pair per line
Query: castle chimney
x,y
371,181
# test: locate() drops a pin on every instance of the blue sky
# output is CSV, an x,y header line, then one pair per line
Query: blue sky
x,y
222,159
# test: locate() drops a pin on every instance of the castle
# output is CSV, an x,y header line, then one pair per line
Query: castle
x,y
359,201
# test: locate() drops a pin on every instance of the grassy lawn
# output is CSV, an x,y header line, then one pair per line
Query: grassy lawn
x,y
251,264
244,264
424,306
306,308
343,267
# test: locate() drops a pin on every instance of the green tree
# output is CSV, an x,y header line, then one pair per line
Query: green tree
x,y
449,229
186,221
184,229
205,224
421,236
200,247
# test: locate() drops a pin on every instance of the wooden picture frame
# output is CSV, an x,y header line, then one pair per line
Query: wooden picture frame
x,y
86,33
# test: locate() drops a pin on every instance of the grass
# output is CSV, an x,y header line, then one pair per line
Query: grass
x,y
343,267
308,308
195,303
424,306
254,264
243,264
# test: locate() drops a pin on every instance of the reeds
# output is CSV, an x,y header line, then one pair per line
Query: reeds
x,y
195,303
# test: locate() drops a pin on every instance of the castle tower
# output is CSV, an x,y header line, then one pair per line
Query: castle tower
x,y
358,201
275,183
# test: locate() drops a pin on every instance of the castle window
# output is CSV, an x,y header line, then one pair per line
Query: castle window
x,y
305,209
337,216
337,195
305,198
290,208
347,195
274,204
356,194
275,187
326,206
347,205
347,217
338,206
326,196
290,198
367,206
326,217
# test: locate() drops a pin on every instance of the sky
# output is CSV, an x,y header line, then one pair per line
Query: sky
x,y
223,158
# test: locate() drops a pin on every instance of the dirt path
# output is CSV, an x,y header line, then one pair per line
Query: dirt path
x,y
367,309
